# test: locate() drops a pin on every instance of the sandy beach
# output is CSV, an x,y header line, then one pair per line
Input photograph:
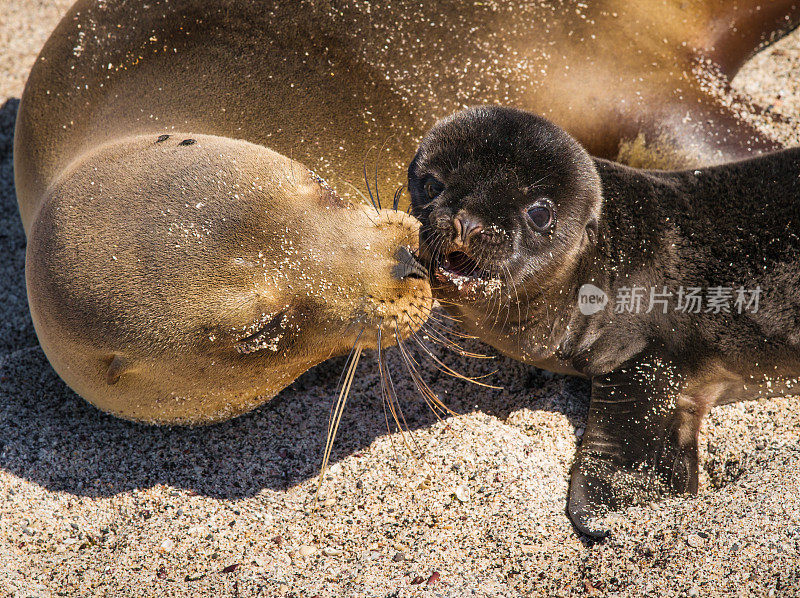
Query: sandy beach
x,y
94,506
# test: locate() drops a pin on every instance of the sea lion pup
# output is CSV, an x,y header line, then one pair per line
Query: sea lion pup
x,y
672,291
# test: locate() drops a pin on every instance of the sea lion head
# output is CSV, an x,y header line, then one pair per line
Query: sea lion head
x,y
194,291
506,199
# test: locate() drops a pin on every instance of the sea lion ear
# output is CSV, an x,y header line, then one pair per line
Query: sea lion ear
x,y
117,366
591,231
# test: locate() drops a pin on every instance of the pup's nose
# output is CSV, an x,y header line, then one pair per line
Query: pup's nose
x,y
466,227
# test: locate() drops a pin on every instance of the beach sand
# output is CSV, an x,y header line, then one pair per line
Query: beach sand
x,y
94,506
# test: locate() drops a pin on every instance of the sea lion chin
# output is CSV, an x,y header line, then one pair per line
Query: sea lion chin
x,y
193,293
504,192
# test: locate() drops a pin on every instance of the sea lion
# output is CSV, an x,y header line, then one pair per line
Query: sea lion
x,y
193,292
321,83
673,291
325,82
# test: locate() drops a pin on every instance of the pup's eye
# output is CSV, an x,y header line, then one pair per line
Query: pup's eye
x,y
541,215
432,188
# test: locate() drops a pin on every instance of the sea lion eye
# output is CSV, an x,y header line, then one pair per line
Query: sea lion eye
x,y
541,215
433,188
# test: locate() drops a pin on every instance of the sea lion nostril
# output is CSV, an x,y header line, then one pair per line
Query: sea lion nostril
x,y
408,265
466,227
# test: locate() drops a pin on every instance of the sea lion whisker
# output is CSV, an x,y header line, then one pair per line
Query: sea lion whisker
x,y
497,297
550,322
450,317
453,345
382,370
439,240
451,372
443,330
397,195
419,382
510,282
377,164
435,246
346,368
430,334
514,286
433,403
437,331
432,406
533,185
439,339
333,422
367,200
443,320
366,181
494,303
394,407
517,300
446,342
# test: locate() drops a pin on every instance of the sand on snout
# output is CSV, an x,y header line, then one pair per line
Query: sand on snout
x,y
91,505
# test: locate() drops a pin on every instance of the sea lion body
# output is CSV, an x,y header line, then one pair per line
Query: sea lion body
x,y
730,232
324,83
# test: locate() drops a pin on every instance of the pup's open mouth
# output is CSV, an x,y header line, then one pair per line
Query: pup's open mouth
x,y
458,263
463,272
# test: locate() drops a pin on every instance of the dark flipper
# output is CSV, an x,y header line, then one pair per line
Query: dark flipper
x,y
737,30
710,123
640,442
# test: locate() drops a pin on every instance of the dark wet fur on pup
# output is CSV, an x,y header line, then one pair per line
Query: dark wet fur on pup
x,y
654,375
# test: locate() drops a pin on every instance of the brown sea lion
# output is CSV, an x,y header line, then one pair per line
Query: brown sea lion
x,y
674,291
324,82
193,291
144,249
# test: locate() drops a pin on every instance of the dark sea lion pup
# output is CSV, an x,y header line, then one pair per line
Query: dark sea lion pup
x,y
672,291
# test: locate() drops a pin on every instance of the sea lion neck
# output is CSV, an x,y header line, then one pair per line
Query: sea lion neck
x,y
635,221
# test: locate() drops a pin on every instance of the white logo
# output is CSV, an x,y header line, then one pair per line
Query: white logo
x,y
591,299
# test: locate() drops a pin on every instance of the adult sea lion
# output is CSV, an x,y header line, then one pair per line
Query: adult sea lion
x,y
193,292
694,276
133,237
325,81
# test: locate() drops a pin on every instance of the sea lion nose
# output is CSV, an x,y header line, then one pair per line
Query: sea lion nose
x,y
466,227
408,265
